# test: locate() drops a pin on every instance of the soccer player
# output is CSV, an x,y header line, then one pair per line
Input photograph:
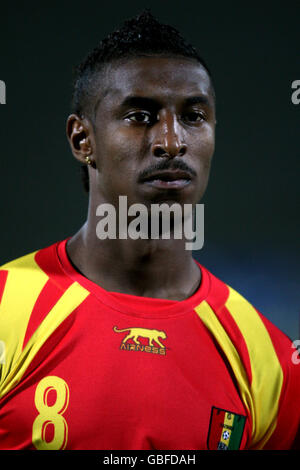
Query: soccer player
x,y
123,343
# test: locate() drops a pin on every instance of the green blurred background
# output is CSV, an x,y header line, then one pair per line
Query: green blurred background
x,y
252,201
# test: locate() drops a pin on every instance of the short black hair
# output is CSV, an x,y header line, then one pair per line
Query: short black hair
x,y
138,36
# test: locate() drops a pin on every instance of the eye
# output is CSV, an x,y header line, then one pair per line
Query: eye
x,y
140,117
194,116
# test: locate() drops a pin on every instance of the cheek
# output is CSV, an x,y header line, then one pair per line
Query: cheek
x,y
116,163
121,145
204,148
205,151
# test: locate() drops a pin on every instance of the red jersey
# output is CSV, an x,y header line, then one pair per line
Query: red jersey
x,y
84,368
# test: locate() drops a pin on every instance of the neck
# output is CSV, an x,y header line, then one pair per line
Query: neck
x,y
144,267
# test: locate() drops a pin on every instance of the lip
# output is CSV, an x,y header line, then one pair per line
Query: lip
x,y
169,179
174,184
168,175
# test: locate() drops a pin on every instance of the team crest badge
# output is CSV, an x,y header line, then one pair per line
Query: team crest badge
x,y
225,430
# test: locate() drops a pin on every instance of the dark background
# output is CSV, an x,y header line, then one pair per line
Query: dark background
x,y
252,201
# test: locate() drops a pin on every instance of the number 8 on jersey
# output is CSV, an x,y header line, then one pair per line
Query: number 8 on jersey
x,y
50,416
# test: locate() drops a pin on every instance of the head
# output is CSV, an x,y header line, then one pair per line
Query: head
x,y
143,102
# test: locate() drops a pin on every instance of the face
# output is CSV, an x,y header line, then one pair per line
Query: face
x,y
154,132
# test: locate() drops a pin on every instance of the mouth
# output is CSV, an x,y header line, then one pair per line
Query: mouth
x,y
168,179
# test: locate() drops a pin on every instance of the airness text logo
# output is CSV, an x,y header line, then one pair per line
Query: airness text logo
x,y
132,343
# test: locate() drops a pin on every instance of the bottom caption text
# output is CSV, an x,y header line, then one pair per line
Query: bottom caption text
x,y
151,459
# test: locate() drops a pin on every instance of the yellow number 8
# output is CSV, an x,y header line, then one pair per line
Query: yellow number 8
x,y
50,414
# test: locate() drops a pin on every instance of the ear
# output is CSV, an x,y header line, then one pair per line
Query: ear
x,y
80,136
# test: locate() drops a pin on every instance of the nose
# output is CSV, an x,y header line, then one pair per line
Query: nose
x,y
168,140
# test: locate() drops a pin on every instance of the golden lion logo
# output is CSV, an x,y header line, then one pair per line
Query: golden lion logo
x,y
135,333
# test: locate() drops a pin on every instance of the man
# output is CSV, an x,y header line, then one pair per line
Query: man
x,y
123,343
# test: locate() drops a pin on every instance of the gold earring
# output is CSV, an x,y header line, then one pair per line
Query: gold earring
x,y
88,160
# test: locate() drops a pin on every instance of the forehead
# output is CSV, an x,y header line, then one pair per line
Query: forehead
x,y
166,78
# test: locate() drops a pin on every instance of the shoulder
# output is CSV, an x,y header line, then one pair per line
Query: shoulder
x,y
21,282
29,272
233,309
266,344
30,261
36,296
275,375
29,287
260,356
14,274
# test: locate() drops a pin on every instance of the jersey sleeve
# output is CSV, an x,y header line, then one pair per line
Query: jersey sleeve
x,y
265,365
274,378
286,433
20,285
33,303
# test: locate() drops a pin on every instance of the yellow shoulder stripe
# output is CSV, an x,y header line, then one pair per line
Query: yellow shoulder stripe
x,y
261,396
212,323
24,283
267,375
20,294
